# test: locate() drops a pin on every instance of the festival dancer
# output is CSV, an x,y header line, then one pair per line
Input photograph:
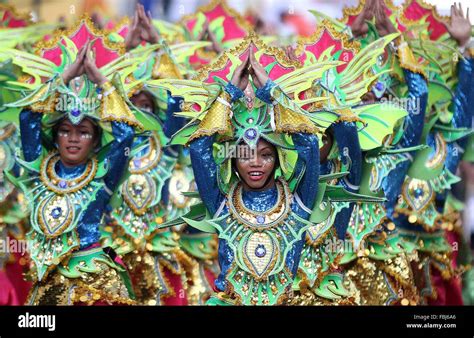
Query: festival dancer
x,y
423,212
259,205
167,266
358,128
69,179
379,266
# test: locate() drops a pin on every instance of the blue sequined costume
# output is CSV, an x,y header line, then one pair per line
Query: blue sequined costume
x,y
88,225
206,171
413,128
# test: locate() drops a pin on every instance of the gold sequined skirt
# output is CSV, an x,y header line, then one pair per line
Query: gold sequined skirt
x,y
104,283
382,282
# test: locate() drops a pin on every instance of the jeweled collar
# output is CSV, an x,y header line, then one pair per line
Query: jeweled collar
x,y
260,220
60,185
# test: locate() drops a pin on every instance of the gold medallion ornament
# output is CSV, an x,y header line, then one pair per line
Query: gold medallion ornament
x,y
264,220
142,164
180,182
59,185
140,189
55,214
418,194
138,192
260,253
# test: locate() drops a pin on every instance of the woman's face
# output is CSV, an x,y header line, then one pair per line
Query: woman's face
x,y
75,142
143,101
257,171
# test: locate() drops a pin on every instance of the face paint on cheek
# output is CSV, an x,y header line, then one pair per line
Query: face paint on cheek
x,y
86,136
63,134
268,160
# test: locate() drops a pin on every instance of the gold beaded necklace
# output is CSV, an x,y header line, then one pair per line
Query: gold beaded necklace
x,y
260,220
59,185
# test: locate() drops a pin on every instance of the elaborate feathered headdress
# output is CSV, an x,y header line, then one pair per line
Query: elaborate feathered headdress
x,y
249,122
433,43
408,30
344,86
41,83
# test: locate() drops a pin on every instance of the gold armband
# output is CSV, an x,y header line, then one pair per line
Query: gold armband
x,y
407,59
287,120
113,107
217,119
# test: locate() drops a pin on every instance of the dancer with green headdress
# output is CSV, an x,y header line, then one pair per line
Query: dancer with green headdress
x,y
76,131
358,128
426,210
256,163
159,261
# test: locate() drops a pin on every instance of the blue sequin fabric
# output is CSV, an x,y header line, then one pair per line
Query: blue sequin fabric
x,y
234,92
116,158
413,128
205,171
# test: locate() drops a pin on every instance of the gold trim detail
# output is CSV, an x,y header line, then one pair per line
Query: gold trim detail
x,y
59,33
51,180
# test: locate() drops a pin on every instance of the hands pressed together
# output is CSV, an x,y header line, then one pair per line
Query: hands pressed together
x,y
249,67
459,26
142,29
208,34
373,8
84,64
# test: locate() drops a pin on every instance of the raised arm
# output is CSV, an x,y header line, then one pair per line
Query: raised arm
x,y
462,116
115,110
414,77
205,172
413,125
416,107
216,121
307,164
30,130
118,153
173,123
347,140
345,134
